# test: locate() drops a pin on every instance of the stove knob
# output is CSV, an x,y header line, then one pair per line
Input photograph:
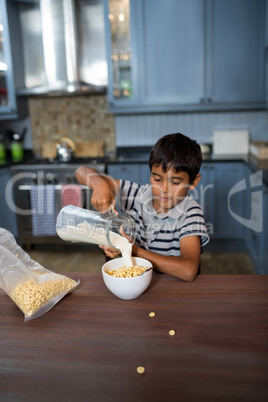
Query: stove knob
x,y
34,178
70,178
51,178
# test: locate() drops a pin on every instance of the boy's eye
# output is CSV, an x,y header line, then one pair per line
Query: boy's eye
x,y
156,178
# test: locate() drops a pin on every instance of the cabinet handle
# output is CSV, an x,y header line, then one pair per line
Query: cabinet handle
x,y
253,236
209,100
202,100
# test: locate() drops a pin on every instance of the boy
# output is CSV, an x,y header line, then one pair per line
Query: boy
x,y
170,224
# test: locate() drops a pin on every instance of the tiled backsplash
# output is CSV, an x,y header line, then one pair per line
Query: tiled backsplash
x,y
80,118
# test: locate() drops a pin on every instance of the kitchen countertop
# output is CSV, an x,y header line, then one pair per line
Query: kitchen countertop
x,y
141,155
88,347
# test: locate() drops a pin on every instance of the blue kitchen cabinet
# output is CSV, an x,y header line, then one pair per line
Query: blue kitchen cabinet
x,y
256,220
145,173
8,104
229,200
235,49
137,172
252,226
263,262
124,171
185,55
219,193
204,195
8,218
266,25
171,52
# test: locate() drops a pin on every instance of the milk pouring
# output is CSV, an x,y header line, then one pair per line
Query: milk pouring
x,y
113,230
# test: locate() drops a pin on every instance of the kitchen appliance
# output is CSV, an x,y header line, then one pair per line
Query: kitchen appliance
x,y
38,172
65,150
82,148
63,44
230,142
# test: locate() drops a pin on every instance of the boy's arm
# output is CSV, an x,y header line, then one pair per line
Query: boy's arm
x,y
184,267
104,187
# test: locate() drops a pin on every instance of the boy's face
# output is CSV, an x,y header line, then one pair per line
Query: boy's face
x,y
169,188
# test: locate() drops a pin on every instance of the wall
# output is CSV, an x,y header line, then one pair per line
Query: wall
x,y
144,130
87,117
77,117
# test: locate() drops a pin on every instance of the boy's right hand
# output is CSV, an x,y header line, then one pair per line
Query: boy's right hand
x,y
110,252
102,198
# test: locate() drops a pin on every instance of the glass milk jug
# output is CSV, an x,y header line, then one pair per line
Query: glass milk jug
x,y
81,225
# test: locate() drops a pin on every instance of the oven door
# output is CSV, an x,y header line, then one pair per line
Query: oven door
x,y
22,195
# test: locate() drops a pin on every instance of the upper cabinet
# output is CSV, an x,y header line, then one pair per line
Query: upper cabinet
x,y
235,52
8,106
180,55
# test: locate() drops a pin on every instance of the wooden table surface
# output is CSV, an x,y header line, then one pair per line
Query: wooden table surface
x,y
88,347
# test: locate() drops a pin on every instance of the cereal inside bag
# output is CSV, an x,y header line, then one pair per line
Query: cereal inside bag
x,y
32,287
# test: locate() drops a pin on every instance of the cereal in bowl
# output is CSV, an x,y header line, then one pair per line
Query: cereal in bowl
x,y
127,272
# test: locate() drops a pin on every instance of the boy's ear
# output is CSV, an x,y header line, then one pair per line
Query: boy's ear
x,y
195,182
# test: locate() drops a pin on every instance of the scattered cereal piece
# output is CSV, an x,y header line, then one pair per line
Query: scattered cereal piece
x,y
140,370
172,332
152,314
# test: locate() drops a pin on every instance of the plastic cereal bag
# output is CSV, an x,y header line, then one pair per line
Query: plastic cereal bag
x,y
33,288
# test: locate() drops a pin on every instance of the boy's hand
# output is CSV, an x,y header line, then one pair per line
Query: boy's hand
x,y
110,252
102,198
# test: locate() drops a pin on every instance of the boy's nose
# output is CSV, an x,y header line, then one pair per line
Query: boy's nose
x,y
165,186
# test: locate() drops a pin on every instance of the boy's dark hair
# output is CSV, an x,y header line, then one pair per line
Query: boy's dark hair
x,y
179,152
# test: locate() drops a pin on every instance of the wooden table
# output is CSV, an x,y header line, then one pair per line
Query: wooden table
x,y
88,347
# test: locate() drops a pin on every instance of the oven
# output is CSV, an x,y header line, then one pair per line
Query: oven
x,y
45,172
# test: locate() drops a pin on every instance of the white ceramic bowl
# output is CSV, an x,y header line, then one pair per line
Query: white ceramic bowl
x,y
127,288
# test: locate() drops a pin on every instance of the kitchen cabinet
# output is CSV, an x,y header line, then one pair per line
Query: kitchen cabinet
x,y
185,55
137,172
235,48
204,195
8,104
266,26
221,204
256,220
8,218
263,262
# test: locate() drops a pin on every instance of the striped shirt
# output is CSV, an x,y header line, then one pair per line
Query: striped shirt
x,y
161,233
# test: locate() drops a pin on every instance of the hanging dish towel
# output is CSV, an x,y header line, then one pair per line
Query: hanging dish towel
x,y
43,203
71,194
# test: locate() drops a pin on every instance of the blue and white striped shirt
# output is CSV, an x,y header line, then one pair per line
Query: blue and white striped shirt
x,y
161,233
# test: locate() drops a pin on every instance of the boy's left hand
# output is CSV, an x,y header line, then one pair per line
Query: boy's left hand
x,y
110,252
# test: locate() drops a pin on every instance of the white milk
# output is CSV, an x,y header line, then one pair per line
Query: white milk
x,y
86,233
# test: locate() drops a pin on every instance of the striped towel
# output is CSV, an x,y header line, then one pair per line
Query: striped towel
x,y
43,203
71,194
